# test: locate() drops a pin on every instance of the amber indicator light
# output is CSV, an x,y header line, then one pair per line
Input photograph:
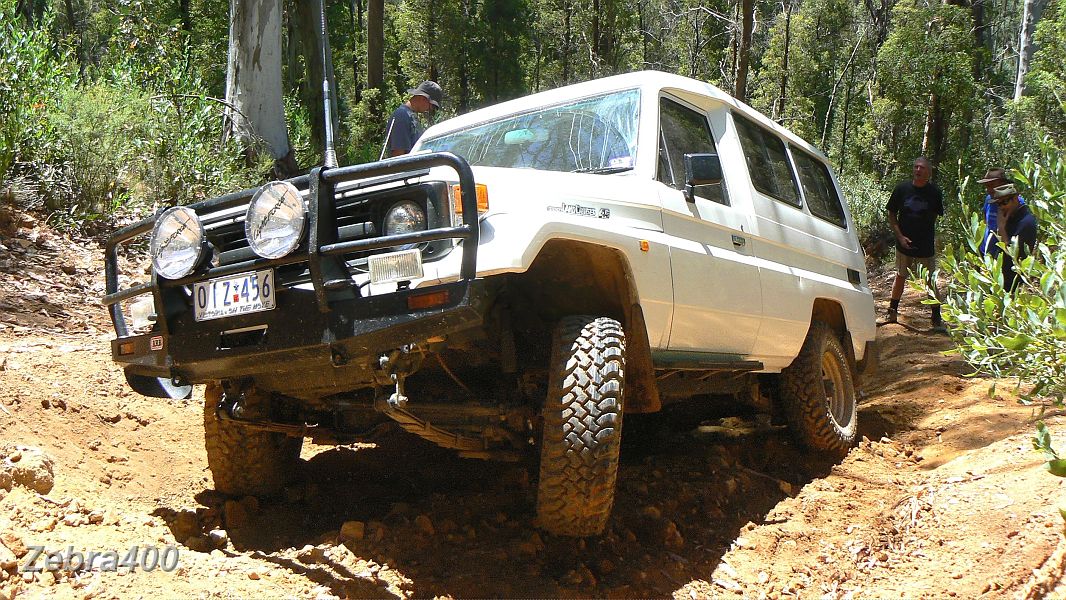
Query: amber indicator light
x,y
125,348
482,198
644,245
423,301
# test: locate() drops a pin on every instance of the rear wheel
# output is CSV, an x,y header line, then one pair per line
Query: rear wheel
x,y
245,461
582,429
819,394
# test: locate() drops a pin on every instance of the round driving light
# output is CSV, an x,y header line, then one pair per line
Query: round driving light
x,y
274,223
177,243
404,217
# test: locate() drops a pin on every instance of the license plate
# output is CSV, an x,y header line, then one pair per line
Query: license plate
x,y
236,295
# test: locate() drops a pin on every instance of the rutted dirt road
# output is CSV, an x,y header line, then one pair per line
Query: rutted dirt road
x,y
944,496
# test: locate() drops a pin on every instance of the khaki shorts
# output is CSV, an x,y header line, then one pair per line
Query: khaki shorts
x,y
908,265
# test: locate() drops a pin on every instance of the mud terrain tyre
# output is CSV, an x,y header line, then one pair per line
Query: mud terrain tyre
x,y
243,461
819,394
582,430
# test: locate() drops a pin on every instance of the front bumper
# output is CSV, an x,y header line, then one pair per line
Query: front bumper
x,y
295,337
328,322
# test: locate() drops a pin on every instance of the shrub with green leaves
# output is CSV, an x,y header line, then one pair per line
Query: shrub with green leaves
x,y
1020,335
32,72
866,200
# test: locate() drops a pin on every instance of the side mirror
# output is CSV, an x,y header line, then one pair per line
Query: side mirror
x,y
701,169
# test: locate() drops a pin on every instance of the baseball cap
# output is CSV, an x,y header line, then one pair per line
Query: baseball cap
x,y
994,174
430,90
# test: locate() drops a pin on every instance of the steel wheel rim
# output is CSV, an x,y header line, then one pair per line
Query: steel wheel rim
x,y
833,383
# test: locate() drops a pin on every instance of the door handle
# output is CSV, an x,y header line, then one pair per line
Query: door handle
x,y
739,241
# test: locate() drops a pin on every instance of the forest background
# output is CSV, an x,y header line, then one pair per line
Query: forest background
x,y
113,109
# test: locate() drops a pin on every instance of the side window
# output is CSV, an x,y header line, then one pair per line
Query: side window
x,y
818,189
684,131
767,161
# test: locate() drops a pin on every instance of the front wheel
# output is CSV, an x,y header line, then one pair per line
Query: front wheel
x,y
245,461
582,432
819,394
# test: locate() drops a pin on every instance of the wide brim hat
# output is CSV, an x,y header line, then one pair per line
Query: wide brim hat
x,y
430,90
994,174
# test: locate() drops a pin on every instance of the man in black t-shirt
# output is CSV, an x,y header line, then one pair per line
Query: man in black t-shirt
x,y
912,212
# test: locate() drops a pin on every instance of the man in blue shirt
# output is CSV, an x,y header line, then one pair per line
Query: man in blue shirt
x,y
994,177
1015,223
403,128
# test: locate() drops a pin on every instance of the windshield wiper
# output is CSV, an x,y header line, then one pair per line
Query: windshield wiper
x,y
602,170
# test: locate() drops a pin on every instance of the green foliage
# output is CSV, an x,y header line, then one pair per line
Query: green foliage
x,y
1046,81
367,127
866,200
1042,442
1020,335
93,155
826,43
925,68
31,76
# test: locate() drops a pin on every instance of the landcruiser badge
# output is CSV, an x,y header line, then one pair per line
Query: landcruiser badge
x,y
582,211
156,342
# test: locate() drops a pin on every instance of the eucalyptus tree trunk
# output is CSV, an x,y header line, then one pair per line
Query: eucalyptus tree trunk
x,y
186,16
1031,13
255,111
355,18
375,44
779,106
744,50
76,34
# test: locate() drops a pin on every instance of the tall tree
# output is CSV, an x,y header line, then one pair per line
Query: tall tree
x,y
375,43
255,112
1031,13
747,25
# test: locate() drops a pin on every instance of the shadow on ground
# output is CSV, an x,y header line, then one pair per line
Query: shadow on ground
x,y
464,527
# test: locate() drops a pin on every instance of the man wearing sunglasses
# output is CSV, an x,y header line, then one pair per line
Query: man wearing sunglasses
x,y
994,177
1015,222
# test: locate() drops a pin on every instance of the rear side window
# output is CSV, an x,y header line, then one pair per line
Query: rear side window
x,y
767,161
822,197
684,131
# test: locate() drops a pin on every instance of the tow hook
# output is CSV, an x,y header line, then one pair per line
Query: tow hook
x,y
398,399
228,407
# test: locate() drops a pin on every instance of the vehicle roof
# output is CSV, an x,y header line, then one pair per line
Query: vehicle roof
x,y
648,81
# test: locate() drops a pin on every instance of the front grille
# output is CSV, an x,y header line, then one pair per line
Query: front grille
x,y
357,217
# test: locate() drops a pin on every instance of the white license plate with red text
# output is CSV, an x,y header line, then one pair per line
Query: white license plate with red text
x,y
235,295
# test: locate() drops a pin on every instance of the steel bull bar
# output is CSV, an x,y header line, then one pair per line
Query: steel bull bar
x,y
151,366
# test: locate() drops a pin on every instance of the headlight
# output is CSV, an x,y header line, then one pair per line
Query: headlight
x,y
274,223
404,217
177,243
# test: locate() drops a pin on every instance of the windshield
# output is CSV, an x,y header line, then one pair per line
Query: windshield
x,y
594,135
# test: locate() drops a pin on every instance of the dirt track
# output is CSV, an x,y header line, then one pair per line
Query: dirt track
x,y
944,497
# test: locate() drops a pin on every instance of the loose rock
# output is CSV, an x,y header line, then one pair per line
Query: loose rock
x,y
8,561
353,530
13,543
186,525
218,538
29,467
425,525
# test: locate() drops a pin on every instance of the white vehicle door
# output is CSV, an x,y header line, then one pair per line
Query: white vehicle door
x,y
717,295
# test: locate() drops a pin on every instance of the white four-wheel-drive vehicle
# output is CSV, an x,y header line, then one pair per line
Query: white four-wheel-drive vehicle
x,y
530,274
